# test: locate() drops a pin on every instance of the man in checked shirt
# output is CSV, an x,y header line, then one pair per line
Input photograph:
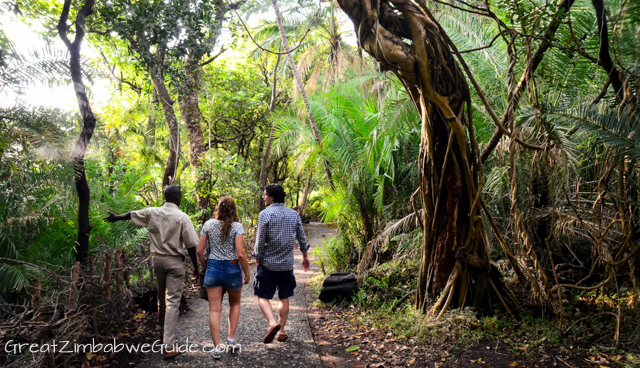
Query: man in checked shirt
x,y
278,228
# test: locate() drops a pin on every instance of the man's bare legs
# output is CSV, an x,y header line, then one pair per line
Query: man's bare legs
x,y
265,307
283,313
267,310
234,311
215,308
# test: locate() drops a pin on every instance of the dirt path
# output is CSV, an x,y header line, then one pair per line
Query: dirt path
x,y
298,351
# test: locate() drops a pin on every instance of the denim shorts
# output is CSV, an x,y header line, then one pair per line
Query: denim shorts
x,y
223,273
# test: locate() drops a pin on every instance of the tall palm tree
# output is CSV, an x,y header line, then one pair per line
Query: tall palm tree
x,y
368,136
303,93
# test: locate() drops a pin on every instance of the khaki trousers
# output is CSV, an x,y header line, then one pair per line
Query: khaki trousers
x,y
170,272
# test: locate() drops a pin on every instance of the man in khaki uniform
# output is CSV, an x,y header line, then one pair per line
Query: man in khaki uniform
x,y
171,231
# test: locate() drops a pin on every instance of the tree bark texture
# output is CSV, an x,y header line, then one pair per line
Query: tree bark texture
x,y
604,57
454,263
189,104
171,168
88,119
303,92
305,194
367,226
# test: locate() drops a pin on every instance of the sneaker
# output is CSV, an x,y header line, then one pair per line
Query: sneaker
x,y
216,353
232,347
170,354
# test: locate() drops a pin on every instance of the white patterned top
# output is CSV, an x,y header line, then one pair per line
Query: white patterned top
x,y
219,250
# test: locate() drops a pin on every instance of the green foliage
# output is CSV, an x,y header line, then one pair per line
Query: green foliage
x,y
33,192
370,136
389,283
334,254
371,143
16,277
617,130
460,327
316,203
234,99
230,176
37,130
177,28
45,65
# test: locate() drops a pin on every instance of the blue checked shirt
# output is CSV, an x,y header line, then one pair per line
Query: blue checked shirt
x,y
278,228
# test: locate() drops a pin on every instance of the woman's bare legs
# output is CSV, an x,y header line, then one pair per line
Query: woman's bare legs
x,y
234,311
215,308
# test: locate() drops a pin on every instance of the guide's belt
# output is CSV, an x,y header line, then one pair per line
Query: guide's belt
x,y
234,261
166,255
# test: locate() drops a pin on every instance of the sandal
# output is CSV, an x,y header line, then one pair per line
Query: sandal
x,y
273,330
282,336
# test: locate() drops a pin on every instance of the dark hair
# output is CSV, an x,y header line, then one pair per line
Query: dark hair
x,y
172,193
226,212
276,191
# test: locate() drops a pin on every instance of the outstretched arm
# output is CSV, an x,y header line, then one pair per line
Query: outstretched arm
x,y
113,217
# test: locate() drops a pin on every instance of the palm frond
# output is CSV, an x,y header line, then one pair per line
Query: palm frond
x,y
616,130
16,277
405,225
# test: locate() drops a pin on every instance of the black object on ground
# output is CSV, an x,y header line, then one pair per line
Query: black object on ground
x,y
149,302
340,286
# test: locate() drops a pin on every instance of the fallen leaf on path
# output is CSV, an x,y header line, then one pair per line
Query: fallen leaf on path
x,y
353,348
514,364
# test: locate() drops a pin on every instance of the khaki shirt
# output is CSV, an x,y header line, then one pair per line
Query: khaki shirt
x,y
169,228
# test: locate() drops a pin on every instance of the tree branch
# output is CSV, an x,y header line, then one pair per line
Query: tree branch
x,y
604,57
290,50
532,65
483,47
134,87
211,59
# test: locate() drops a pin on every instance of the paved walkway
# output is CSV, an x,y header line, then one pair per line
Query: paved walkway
x,y
298,351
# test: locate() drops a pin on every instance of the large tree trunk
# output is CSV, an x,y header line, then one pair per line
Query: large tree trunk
x,y
171,168
367,226
193,119
305,193
303,92
88,119
454,263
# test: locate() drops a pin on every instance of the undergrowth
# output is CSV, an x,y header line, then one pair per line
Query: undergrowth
x,y
386,301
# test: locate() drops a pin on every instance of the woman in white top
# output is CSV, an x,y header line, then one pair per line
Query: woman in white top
x,y
224,235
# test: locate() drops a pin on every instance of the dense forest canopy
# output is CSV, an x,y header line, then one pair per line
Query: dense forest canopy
x,y
487,148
